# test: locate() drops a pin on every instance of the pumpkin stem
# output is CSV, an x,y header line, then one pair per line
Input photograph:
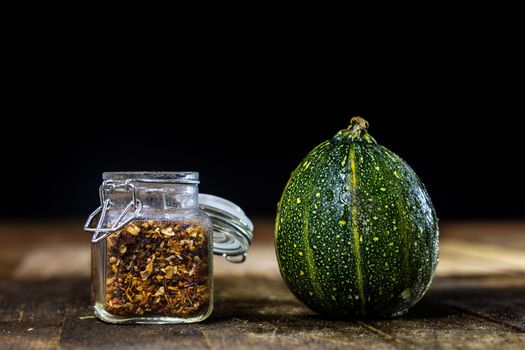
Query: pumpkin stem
x,y
357,124
357,130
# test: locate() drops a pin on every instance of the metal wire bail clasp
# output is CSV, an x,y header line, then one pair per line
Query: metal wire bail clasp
x,y
100,232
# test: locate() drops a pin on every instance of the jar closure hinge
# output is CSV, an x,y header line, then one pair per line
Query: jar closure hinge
x,y
99,233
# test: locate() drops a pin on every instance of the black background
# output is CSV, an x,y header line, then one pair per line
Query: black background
x,y
245,120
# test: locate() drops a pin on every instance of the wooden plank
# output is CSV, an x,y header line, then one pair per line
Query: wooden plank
x,y
39,250
456,259
434,326
507,259
259,313
475,302
250,313
31,314
496,233
497,298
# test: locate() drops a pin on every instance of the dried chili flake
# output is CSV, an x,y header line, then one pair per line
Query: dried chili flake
x,y
158,268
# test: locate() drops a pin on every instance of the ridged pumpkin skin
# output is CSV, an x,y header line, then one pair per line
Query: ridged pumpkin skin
x,y
356,232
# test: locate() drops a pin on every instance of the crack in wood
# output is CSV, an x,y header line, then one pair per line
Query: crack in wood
x,y
482,316
384,335
58,337
207,340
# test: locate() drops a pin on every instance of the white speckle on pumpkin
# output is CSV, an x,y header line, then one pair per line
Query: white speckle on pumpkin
x,y
318,194
383,189
298,200
406,294
342,222
376,239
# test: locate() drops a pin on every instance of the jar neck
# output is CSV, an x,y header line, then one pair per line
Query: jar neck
x,y
158,196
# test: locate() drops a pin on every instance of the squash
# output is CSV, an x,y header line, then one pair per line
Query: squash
x,y
356,233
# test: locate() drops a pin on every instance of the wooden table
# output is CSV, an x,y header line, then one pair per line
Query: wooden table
x,y
477,300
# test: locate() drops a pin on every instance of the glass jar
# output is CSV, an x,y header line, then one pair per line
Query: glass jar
x,y
153,242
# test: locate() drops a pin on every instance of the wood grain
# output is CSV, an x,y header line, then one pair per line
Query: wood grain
x,y
477,301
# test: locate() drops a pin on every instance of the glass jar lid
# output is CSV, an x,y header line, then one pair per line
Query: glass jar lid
x,y
232,229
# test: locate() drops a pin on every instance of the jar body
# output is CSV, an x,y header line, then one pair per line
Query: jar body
x,y
158,267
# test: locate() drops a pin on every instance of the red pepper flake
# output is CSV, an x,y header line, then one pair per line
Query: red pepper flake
x,y
158,268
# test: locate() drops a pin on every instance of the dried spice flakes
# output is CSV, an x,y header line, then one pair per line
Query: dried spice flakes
x,y
158,268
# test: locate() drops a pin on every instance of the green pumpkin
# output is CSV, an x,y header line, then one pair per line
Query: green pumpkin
x,y
356,233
